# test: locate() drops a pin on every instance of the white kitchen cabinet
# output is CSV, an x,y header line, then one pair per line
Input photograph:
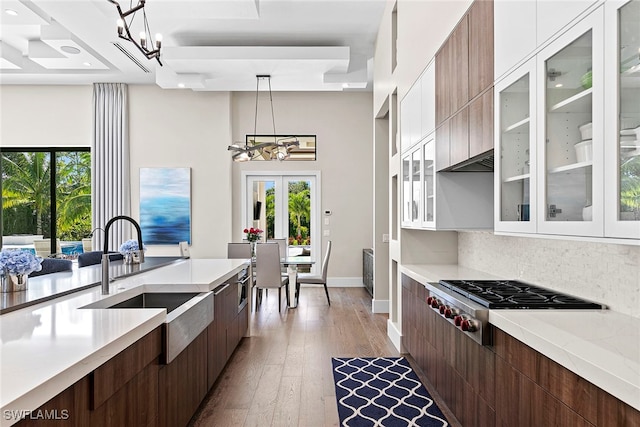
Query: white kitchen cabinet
x,y
515,152
554,15
411,187
428,100
622,119
418,117
428,182
443,200
514,33
570,156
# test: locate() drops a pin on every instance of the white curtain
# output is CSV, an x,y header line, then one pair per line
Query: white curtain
x,y
110,183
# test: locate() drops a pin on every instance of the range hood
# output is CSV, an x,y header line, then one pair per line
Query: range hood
x,y
480,163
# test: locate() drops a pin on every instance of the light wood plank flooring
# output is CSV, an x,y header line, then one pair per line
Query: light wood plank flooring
x,y
281,375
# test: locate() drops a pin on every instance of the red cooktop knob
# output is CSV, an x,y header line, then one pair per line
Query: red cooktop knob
x,y
442,309
457,320
464,325
429,300
435,303
447,313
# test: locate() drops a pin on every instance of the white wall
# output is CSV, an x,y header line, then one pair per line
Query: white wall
x,y
342,123
182,128
45,116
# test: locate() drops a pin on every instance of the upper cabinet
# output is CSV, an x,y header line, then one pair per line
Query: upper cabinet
x,y
622,119
570,130
567,130
463,81
515,100
521,26
417,110
514,33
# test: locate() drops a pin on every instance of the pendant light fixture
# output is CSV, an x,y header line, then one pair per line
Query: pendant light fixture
x,y
278,149
124,31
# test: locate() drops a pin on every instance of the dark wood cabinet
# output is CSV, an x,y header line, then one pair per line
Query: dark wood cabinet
x,y
459,140
460,369
459,77
481,124
121,392
480,47
507,384
183,384
464,76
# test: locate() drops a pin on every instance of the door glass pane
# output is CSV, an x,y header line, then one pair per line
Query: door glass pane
x,y
73,200
26,198
415,184
406,190
629,107
514,151
299,206
428,181
263,207
568,145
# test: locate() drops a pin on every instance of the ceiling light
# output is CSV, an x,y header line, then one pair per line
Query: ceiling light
x,y
11,12
559,85
124,31
70,50
278,149
181,85
87,64
345,85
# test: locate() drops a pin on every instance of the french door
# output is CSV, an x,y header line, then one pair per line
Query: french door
x,y
285,207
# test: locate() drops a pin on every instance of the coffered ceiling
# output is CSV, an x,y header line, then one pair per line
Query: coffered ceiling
x,y
314,45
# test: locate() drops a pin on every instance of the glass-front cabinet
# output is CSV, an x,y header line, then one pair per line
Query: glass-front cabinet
x,y
411,187
570,112
515,151
622,119
428,183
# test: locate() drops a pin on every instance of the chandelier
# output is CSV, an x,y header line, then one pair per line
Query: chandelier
x,y
124,31
278,149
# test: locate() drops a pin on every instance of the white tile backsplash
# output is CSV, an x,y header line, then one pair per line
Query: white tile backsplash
x,y
606,273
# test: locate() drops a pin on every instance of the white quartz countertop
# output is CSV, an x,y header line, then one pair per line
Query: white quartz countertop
x,y
602,346
47,347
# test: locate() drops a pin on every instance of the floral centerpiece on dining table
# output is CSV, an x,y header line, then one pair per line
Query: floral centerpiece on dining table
x,y
15,267
253,235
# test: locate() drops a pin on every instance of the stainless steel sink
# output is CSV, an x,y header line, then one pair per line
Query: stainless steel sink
x,y
188,314
168,300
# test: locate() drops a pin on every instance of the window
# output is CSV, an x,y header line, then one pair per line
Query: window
x,y
46,194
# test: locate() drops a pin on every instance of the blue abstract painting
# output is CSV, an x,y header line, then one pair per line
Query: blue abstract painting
x,y
165,205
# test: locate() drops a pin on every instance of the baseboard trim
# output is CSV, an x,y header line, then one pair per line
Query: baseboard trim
x,y
380,306
394,335
345,282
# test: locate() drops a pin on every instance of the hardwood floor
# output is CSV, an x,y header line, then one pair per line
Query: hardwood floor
x,y
281,375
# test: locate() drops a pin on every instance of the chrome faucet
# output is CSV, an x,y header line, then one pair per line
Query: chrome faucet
x,y
105,254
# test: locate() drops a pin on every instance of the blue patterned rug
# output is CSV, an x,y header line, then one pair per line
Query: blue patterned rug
x,y
382,391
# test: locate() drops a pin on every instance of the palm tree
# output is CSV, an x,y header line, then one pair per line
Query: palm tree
x,y
300,209
26,182
74,195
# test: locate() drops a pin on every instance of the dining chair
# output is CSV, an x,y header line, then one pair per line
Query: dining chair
x,y
52,265
313,279
239,250
268,272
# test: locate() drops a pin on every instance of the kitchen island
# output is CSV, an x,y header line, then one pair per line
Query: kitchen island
x,y
581,364
50,346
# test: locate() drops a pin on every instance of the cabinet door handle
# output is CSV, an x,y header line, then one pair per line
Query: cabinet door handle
x,y
219,290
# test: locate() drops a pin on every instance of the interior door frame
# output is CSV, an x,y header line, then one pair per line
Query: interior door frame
x,y
316,202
